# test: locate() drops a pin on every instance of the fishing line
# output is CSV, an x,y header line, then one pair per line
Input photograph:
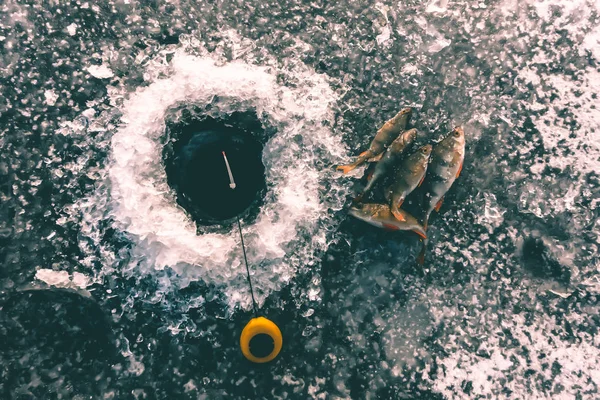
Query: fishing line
x,y
232,185
257,326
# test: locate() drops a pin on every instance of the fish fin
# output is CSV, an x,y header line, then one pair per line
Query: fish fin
x,y
459,169
362,157
370,175
398,215
421,256
439,205
421,234
421,181
346,168
389,227
375,158
425,223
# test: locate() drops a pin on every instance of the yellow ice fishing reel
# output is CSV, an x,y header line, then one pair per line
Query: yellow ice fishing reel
x,y
261,340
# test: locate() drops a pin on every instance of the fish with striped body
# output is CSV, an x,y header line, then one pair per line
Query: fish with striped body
x,y
447,160
385,135
408,176
380,215
389,159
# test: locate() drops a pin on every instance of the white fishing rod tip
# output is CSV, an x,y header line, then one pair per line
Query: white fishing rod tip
x,y
232,182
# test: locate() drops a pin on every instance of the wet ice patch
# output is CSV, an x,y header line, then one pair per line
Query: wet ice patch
x,y
54,278
383,39
591,43
72,29
62,279
437,6
539,362
403,336
489,214
51,97
100,71
566,116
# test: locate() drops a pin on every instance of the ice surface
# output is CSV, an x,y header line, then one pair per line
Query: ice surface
x,y
100,71
507,306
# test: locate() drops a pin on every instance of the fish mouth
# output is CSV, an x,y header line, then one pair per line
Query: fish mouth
x,y
357,212
354,211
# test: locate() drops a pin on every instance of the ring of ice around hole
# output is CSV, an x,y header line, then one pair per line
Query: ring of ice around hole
x,y
254,328
297,218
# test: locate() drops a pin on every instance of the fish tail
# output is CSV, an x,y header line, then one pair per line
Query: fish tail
x,y
347,168
420,232
364,156
421,256
395,209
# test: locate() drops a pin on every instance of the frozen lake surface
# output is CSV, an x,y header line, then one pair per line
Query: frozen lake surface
x,y
109,289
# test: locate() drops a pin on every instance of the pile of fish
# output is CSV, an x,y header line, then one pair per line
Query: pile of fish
x,y
400,169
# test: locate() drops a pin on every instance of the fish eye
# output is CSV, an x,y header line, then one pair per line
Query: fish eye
x,y
424,150
456,133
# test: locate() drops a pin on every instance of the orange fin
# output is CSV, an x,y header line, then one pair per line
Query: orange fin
x,y
421,234
370,176
346,168
398,215
389,227
439,205
459,169
421,182
360,159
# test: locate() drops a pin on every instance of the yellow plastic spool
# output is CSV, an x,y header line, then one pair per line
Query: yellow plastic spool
x,y
257,326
